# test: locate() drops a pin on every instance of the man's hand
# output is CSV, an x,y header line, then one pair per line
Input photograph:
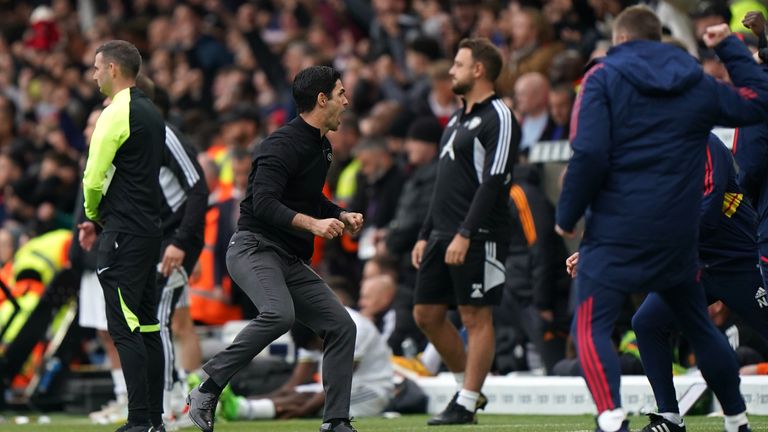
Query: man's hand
x,y
418,253
570,264
716,34
86,235
563,233
457,250
172,259
755,21
352,222
327,228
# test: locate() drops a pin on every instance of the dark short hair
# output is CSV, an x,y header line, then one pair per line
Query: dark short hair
x,y
485,52
639,23
312,81
124,54
708,8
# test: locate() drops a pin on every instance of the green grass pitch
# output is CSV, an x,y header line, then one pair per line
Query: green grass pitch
x,y
416,423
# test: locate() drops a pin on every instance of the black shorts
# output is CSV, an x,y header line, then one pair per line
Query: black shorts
x,y
479,281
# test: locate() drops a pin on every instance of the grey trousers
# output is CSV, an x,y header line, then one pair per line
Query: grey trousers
x,y
285,289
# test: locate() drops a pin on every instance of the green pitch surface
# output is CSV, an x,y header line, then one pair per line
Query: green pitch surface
x,y
488,423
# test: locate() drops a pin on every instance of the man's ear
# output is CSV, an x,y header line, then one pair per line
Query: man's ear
x,y
620,38
478,70
322,99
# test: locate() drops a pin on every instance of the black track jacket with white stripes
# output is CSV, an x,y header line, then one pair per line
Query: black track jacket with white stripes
x,y
477,152
185,193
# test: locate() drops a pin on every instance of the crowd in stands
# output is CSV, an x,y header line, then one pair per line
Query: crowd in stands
x,y
228,65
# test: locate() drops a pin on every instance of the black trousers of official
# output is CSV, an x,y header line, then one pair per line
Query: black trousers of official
x,y
284,289
126,267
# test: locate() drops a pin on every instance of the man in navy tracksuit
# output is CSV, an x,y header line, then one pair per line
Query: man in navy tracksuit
x,y
751,152
639,128
727,250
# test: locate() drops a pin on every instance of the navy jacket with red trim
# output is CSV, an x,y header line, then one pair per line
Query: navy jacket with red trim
x,y
728,220
751,152
638,133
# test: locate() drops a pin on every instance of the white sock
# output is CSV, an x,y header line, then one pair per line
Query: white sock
x,y
733,422
459,377
431,360
671,417
259,409
610,421
468,399
118,381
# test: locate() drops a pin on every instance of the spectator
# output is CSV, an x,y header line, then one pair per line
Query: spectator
x,y
421,145
532,48
531,99
378,188
440,102
560,103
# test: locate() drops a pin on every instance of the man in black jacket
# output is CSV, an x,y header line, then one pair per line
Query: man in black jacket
x,y
536,287
284,208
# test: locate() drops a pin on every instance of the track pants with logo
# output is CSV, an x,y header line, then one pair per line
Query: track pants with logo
x,y
126,267
738,286
608,273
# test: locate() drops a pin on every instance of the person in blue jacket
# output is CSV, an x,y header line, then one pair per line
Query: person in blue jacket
x,y
728,258
639,130
750,149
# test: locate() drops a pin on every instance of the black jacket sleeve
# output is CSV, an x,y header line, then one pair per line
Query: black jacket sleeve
x,y
271,171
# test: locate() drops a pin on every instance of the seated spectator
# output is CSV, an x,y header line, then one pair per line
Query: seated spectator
x,y
560,104
422,141
532,48
390,305
531,100
378,188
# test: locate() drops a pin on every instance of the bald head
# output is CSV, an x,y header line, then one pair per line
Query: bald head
x,y
376,294
531,93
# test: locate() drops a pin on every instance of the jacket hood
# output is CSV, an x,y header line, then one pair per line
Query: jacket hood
x,y
654,67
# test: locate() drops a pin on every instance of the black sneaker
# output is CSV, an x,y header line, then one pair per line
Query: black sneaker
x,y
135,427
744,428
158,428
624,426
455,414
202,409
337,426
660,424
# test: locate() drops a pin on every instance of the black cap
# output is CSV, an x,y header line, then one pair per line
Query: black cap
x,y
425,129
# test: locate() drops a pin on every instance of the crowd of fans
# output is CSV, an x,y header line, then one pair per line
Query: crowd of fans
x,y
228,65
